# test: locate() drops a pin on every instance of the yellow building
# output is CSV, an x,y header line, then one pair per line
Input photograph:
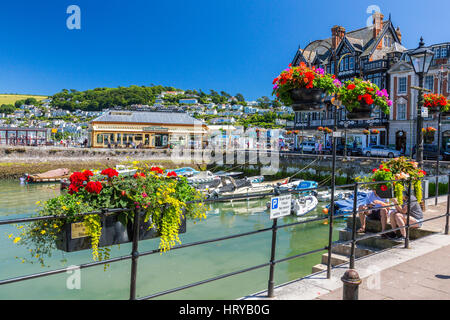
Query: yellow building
x,y
146,129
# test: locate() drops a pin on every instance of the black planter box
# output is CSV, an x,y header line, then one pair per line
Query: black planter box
x,y
73,238
304,99
388,194
362,113
145,233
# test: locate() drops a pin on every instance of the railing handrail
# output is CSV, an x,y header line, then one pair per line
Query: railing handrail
x,y
135,254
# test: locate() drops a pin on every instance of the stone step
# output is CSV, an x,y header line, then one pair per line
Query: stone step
x,y
336,259
374,226
319,267
345,250
374,243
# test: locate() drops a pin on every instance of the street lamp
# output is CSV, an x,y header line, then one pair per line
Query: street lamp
x,y
421,59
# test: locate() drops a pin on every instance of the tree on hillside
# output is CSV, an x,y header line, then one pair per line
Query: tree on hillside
x,y
276,104
239,97
18,103
224,94
7,108
264,102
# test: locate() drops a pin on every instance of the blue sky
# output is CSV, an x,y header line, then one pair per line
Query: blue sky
x,y
230,45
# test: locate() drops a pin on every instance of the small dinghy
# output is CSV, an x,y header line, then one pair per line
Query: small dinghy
x,y
325,196
307,187
50,176
304,205
230,187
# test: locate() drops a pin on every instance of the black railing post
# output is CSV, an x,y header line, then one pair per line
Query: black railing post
x,y
437,160
272,258
134,254
408,214
333,190
355,204
448,205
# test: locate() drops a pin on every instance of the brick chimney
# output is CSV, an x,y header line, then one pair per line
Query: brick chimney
x,y
399,34
337,34
377,23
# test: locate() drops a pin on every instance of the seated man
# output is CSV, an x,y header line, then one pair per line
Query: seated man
x,y
373,201
398,218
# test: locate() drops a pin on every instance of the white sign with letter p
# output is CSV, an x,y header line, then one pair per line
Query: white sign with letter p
x,y
280,206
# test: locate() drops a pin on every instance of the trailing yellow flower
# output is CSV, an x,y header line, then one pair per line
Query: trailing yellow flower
x,y
17,239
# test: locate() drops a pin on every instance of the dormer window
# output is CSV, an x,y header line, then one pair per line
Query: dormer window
x,y
388,41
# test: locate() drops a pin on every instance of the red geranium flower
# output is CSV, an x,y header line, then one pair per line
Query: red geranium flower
x,y
73,189
157,170
94,187
87,174
374,170
110,173
172,174
351,86
139,174
383,187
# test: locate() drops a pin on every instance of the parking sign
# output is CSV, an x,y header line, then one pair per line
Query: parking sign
x,y
280,206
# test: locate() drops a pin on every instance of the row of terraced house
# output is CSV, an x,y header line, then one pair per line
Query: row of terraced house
x,y
376,53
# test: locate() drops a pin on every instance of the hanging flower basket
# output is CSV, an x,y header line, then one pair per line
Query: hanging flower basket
x,y
74,237
327,130
320,128
149,230
366,132
360,97
304,99
399,171
160,197
384,192
375,131
304,88
428,134
436,103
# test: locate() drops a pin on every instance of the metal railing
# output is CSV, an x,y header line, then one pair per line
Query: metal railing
x,y
135,254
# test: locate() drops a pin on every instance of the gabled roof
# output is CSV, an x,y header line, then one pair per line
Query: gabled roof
x,y
387,26
360,41
401,66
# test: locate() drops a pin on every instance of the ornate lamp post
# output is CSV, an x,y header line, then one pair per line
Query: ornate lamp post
x,y
421,59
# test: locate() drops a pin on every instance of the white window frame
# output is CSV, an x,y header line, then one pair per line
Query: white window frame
x,y
399,91
425,82
403,111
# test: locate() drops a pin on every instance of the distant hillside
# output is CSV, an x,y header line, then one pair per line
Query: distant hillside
x,y
12,98
100,98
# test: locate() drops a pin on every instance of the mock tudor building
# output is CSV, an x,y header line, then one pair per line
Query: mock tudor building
x,y
403,114
366,53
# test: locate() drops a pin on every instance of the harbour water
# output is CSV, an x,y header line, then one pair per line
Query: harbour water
x,y
159,272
